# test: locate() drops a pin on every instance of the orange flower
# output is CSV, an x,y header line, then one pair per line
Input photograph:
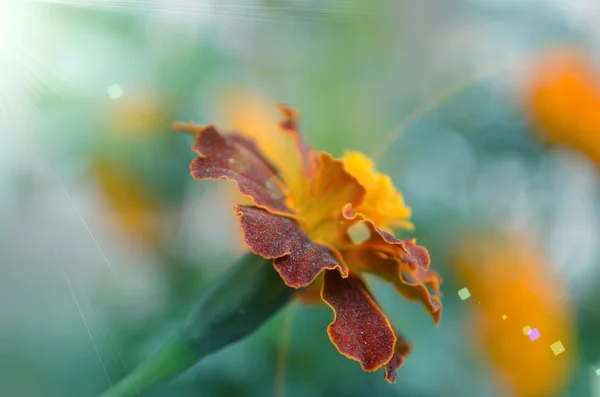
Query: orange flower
x,y
133,208
564,101
325,222
515,292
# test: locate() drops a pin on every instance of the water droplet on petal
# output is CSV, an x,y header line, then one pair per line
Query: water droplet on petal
x,y
239,163
273,185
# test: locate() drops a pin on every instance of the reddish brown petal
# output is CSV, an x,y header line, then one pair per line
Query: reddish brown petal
x,y
239,160
431,278
393,260
412,285
418,254
421,293
290,126
360,330
411,255
402,350
298,259
252,149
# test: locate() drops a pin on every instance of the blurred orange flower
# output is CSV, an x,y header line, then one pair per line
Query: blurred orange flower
x,y
324,222
563,99
513,294
136,120
132,207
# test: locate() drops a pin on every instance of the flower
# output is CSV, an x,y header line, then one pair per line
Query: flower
x,y
563,99
515,291
325,222
251,114
130,128
131,207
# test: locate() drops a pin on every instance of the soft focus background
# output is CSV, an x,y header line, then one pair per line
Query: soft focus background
x,y
486,113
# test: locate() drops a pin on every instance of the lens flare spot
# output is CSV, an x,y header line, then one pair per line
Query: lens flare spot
x,y
557,348
534,334
115,91
359,233
464,293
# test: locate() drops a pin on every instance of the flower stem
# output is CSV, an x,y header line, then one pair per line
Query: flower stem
x,y
242,299
174,358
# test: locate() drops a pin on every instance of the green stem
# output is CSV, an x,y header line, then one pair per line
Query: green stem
x,y
174,358
242,299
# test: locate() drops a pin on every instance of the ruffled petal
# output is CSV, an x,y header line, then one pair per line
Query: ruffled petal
x,y
402,350
239,160
332,187
383,204
411,255
402,263
360,330
289,125
419,292
418,256
297,258
251,148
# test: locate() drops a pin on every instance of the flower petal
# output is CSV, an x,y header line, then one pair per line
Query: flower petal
x,y
419,292
392,260
417,254
297,258
360,330
251,147
383,203
402,350
332,187
237,159
290,125
408,252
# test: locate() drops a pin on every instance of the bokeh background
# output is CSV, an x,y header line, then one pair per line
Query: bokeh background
x,y
486,113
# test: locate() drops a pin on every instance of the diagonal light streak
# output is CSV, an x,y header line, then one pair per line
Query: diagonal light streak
x,y
114,352
85,225
62,267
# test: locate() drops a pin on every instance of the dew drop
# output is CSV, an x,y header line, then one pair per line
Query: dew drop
x,y
273,187
239,163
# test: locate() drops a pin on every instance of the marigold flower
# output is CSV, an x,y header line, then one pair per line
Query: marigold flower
x,y
130,125
563,99
516,294
305,221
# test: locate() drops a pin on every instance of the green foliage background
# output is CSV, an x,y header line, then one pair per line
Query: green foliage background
x,y
356,70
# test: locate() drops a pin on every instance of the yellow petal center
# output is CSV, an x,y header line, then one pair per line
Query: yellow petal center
x,y
383,204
